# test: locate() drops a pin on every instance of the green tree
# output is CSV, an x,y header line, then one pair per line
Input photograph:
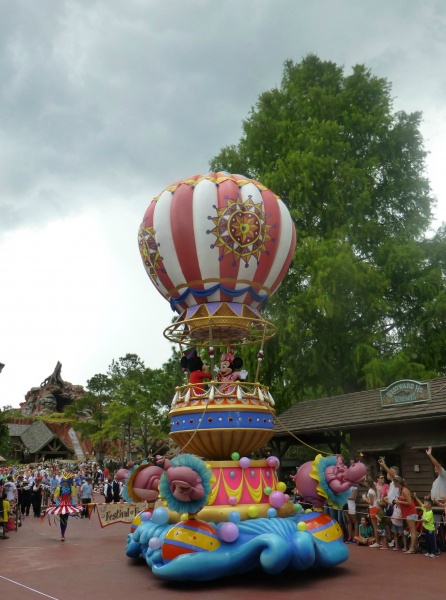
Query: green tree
x,y
363,303
4,434
141,401
90,410
130,402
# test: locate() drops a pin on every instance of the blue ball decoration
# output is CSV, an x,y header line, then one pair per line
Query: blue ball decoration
x,y
160,516
234,517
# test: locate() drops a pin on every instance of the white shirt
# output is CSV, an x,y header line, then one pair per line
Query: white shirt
x,y
11,490
439,486
392,493
372,497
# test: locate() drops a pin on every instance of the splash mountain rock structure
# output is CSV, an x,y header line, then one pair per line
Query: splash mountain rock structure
x,y
53,395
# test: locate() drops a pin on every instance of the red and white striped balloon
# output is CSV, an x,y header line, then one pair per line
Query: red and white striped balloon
x,y
216,238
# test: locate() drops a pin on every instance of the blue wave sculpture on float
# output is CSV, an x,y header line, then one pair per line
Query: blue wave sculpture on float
x,y
275,545
217,246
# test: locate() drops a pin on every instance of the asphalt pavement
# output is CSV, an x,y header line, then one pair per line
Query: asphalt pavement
x,y
91,564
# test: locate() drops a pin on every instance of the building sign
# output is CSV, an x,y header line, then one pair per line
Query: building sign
x,y
405,391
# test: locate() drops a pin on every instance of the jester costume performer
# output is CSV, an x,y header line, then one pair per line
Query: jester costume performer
x,y
65,504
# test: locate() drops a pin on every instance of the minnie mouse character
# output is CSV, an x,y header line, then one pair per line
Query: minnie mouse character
x,y
192,362
227,371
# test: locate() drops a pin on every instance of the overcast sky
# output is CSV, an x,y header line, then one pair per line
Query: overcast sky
x,y
103,104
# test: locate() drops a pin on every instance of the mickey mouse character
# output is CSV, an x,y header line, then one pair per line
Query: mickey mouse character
x,y
192,362
227,371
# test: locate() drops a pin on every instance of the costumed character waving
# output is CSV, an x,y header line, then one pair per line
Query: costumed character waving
x,y
65,503
228,371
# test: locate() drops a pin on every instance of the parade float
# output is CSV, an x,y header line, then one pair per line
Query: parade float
x,y
217,246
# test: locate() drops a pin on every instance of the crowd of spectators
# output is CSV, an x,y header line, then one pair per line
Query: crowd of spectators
x,y
26,490
392,517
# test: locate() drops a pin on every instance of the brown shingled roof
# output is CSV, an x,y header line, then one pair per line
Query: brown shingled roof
x,y
358,409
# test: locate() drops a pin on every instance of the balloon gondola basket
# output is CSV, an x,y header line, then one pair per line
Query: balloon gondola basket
x,y
217,322
212,424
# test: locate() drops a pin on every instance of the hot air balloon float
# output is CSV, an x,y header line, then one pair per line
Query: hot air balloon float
x,y
217,246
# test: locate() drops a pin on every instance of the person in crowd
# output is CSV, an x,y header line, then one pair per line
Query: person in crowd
x,y
392,491
20,486
382,523
398,529
381,486
442,503
428,526
108,491
4,515
98,477
350,514
36,497
365,535
26,502
371,498
439,485
408,511
31,478
98,490
78,479
54,484
116,489
10,488
86,493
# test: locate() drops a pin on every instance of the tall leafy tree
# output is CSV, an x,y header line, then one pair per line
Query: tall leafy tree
x,y
141,401
130,402
363,303
90,410
4,433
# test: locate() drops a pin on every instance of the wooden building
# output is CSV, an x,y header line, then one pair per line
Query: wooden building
x,y
35,442
398,422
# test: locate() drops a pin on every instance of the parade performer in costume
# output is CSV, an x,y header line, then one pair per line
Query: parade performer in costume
x,y
227,371
192,362
65,503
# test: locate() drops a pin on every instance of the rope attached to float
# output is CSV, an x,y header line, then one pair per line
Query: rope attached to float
x,y
194,433
295,436
260,355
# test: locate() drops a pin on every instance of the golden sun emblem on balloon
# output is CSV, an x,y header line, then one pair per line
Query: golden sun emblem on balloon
x,y
149,250
241,229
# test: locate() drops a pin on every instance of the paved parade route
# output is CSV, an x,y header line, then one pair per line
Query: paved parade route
x,y
91,564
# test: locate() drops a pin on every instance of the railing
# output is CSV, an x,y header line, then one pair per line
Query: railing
x,y
242,390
